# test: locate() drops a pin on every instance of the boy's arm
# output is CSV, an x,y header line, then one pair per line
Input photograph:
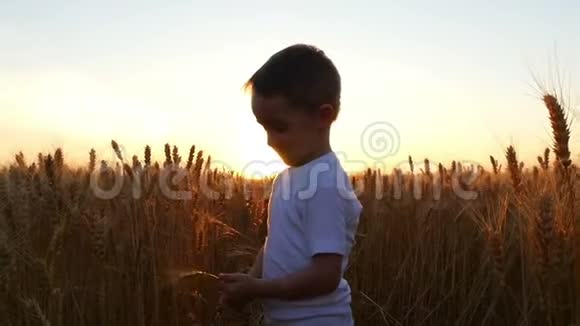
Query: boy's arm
x,y
325,219
256,270
321,277
326,241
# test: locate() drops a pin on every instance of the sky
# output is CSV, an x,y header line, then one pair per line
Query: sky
x,y
446,80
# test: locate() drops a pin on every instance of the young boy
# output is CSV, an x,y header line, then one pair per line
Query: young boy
x,y
313,213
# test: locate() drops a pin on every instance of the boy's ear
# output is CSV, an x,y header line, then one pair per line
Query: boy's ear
x,y
326,114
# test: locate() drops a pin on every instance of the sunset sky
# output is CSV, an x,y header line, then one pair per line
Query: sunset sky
x,y
453,78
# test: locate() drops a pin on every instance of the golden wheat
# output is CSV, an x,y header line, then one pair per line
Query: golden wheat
x,y
423,255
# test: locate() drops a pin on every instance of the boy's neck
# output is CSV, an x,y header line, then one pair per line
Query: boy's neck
x,y
315,153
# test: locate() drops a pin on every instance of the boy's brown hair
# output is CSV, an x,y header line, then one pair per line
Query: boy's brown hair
x,y
300,73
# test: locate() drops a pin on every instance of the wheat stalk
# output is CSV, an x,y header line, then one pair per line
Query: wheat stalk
x,y
190,158
514,168
536,174
546,159
117,150
175,156
494,164
50,171
59,160
544,231
560,129
168,158
496,246
33,305
147,156
427,167
20,161
97,230
92,160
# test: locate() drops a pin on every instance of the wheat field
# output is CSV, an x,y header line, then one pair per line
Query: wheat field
x,y
425,254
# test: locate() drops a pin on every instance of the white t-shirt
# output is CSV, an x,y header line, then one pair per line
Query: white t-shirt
x,y
312,210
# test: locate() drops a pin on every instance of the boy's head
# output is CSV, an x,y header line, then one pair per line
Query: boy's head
x,y
296,98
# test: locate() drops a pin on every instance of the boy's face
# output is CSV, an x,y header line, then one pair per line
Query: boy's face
x,y
292,133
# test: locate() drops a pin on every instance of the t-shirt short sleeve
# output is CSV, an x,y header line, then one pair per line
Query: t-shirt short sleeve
x,y
325,222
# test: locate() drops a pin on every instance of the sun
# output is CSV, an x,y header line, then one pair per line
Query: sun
x,y
253,157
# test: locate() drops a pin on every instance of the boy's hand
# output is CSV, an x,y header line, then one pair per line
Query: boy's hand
x,y
238,287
